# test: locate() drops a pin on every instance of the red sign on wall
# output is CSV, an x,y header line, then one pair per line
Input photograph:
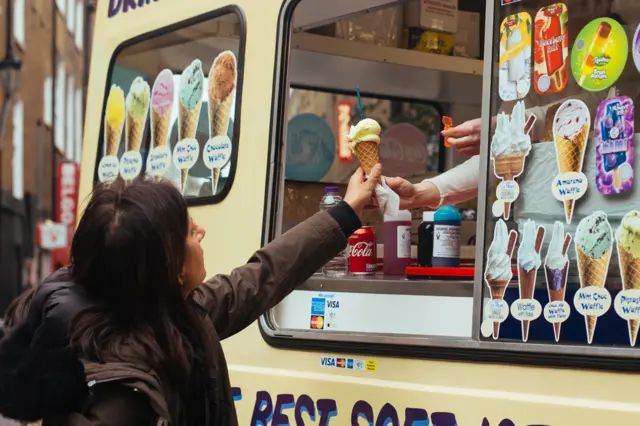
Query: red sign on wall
x,y
67,184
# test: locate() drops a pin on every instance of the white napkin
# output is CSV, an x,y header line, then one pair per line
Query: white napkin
x,y
388,200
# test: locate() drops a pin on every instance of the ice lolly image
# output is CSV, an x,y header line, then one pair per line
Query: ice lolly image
x,y
628,244
162,97
597,49
499,273
571,126
189,103
528,264
556,268
593,242
509,146
516,65
222,86
550,51
114,120
515,56
364,142
137,108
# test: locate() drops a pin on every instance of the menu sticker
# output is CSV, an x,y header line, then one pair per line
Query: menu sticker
x,y
514,79
571,126
130,165
599,54
593,245
551,49
627,303
158,161
615,132
217,152
108,169
186,153
527,308
325,308
635,48
556,271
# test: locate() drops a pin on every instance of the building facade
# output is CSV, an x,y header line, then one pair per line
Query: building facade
x,y
44,111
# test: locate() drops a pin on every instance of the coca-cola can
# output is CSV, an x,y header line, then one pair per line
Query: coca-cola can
x,y
362,252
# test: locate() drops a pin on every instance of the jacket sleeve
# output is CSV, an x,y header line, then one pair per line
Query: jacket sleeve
x,y
459,184
236,300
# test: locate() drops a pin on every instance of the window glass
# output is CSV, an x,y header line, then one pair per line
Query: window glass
x,y
171,108
561,175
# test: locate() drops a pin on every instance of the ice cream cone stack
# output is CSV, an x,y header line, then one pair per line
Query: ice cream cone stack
x,y
593,272
498,288
570,156
368,155
112,139
188,119
219,113
630,270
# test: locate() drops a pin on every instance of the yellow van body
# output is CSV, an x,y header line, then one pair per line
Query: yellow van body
x,y
293,382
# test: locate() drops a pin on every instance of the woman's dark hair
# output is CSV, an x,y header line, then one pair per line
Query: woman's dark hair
x,y
127,253
17,309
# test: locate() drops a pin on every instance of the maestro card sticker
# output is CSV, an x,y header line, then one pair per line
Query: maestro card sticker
x,y
556,271
614,126
599,54
627,303
514,79
551,49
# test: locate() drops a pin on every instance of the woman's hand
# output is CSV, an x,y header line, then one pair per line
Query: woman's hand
x,y
360,189
421,195
465,138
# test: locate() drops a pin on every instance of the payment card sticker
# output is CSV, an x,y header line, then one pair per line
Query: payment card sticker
x,y
551,49
614,152
324,311
515,57
599,54
317,313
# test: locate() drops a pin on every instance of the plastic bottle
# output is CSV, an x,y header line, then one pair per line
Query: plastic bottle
x,y
425,239
339,265
446,237
397,243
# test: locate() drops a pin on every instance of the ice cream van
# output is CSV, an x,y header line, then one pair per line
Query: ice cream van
x,y
246,107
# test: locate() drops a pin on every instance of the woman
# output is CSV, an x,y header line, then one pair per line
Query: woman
x,y
130,334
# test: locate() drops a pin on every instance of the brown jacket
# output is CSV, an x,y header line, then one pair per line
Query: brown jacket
x,y
123,394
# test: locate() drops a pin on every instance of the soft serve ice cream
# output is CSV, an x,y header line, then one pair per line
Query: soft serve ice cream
x,y
556,267
528,263
628,243
498,273
364,141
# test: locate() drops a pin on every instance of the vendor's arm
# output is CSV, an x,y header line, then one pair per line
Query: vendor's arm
x,y
236,300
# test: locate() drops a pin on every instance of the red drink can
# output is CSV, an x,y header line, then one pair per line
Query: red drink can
x,y
362,252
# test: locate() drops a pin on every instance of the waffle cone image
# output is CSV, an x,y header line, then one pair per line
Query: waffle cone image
x,y
570,155
112,138
527,283
188,119
507,167
159,128
556,279
215,178
219,113
630,270
135,129
368,155
593,272
497,287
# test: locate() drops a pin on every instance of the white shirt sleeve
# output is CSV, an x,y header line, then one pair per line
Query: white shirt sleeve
x,y
459,184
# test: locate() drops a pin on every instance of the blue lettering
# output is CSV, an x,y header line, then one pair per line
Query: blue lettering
x,y
327,409
262,410
283,402
333,304
114,7
304,405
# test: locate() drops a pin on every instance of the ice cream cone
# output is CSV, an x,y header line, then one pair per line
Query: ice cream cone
x,y
215,178
112,140
498,288
630,270
570,155
593,272
135,128
219,112
159,127
368,155
527,284
556,279
507,167
188,119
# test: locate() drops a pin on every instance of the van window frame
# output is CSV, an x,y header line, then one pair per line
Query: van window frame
x,y
473,349
217,13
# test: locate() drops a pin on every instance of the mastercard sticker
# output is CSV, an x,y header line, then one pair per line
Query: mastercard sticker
x,y
317,322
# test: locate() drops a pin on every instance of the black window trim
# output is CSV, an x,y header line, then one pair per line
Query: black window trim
x,y
235,9
472,349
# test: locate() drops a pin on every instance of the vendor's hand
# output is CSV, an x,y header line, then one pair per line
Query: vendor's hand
x,y
465,138
421,195
360,189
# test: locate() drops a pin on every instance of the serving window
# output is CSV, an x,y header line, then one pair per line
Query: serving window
x,y
171,108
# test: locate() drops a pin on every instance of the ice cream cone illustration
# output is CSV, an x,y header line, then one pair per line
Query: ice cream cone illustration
x,y
114,120
162,98
528,264
510,146
137,108
556,268
571,130
364,141
593,242
498,273
189,103
222,91
628,244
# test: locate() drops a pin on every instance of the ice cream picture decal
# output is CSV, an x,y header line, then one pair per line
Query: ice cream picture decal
x,y
571,126
556,270
627,303
162,98
137,105
593,245
109,167
526,308
509,148
515,57
498,274
551,52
